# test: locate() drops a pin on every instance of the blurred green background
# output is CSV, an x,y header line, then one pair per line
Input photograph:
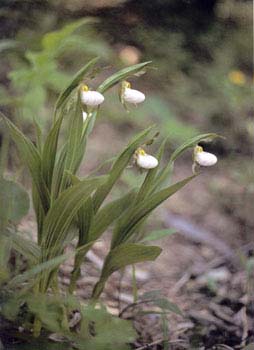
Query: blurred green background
x,y
201,78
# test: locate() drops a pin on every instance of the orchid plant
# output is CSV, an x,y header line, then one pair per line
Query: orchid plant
x,y
68,207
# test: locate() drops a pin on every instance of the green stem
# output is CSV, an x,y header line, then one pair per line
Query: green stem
x,y
37,327
4,153
134,285
37,323
74,277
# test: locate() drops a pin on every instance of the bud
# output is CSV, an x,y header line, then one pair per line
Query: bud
x,y
90,98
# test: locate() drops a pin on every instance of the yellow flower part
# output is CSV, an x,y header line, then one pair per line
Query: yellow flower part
x,y
237,77
198,149
144,160
84,88
126,84
89,97
203,158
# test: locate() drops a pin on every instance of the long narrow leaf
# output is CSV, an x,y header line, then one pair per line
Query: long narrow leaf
x,y
33,272
49,152
85,218
121,75
73,150
39,212
191,143
29,249
32,159
108,214
127,225
63,211
124,255
58,172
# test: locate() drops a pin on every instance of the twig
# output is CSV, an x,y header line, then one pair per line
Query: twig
x,y
221,315
131,306
225,346
196,233
147,346
180,283
245,326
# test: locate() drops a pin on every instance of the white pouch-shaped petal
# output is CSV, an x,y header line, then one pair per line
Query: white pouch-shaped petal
x,y
205,158
133,96
146,161
91,98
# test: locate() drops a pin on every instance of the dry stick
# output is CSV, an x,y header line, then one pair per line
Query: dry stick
x,y
225,346
120,289
206,267
133,305
245,326
147,346
196,233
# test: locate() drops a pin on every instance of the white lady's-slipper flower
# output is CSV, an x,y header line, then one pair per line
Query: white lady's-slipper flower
x,y
144,160
130,95
90,98
204,158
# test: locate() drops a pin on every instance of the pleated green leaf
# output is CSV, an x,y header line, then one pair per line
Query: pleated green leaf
x,y
26,247
118,167
121,75
46,266
74,151
39,212
127,225
62,213
85,218
108,214
49,152
58,172
31,158
38,132
124,255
